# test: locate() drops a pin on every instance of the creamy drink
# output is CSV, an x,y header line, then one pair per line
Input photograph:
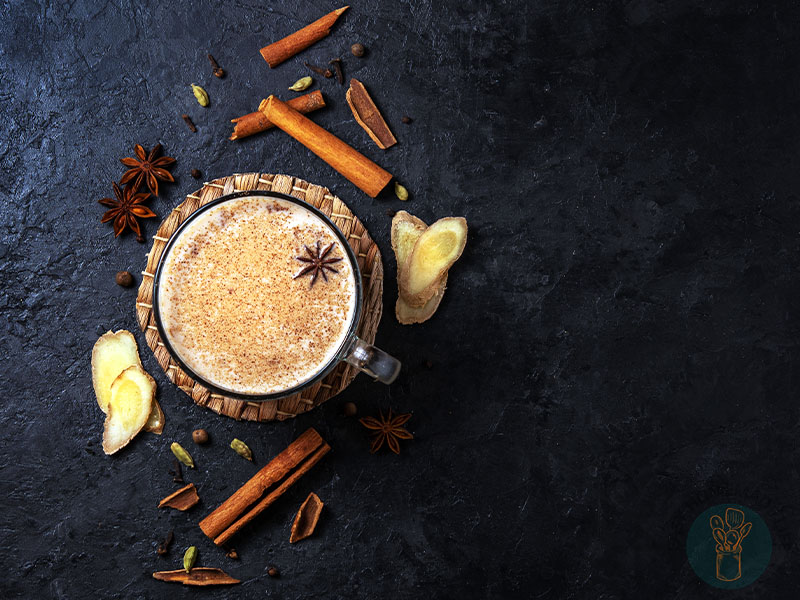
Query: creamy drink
x,y
257,295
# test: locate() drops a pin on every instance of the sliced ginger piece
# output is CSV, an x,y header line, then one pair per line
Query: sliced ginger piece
x,y
434,253
132,395
406,230
112,354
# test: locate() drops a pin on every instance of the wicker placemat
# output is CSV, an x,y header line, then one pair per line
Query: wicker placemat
x,y
369,261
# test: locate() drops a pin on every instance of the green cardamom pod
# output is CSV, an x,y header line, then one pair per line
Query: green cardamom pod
x,y
242,449
400,192
181,454
189,558
301,84
201,95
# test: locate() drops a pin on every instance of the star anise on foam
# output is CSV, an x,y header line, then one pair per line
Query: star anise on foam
x,y
316,263
126,209
147,168
387,429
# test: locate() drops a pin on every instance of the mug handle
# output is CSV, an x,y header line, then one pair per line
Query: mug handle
x,y
372,361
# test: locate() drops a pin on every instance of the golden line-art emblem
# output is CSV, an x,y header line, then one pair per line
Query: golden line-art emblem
x,y
729,535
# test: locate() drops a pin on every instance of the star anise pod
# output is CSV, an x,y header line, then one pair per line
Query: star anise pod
x,y
147,168
387,429
317,263
126,209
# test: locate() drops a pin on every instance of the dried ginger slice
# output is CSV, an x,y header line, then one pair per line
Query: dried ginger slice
x,y
132,394
112,354
434,253
406,230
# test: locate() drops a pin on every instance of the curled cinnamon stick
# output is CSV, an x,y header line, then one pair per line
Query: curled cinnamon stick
x,y
356,167
307,518
256,122
196,576
264,487
368,116
279,51
184,499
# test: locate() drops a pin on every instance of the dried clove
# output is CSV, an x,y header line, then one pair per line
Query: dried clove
x,y
176,471
217,70
326,73
337,66
163,546
188,120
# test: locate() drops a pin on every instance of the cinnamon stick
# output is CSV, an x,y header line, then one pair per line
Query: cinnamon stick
x,y
356,167
264,487
368,116
196,576
279,51
184,499
256,122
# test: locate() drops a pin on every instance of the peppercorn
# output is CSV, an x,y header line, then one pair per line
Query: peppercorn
x,y
196,173
357,50
124,279
199,436
350,409
273,572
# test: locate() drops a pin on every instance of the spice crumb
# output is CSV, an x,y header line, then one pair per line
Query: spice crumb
x,y
232,554
188,120
407,120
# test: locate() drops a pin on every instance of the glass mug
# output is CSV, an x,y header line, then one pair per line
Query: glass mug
x,y
353,350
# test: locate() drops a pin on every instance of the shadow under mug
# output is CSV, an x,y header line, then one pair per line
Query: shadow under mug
x,y
366,357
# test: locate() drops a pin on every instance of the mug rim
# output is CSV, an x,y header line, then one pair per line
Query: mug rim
x,y
347,341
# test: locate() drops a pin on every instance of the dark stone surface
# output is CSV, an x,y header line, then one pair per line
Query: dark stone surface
x,y
617,350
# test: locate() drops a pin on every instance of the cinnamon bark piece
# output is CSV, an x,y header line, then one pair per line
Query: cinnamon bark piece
x,y
368,116
256,122
264,487
279,51
361,171
184,499
307,518
199,576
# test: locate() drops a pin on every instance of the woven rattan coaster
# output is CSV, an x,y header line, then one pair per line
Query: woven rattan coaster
x,y
369,261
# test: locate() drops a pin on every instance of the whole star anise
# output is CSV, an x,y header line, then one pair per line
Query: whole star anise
x,y
126,209
387,429
147,168
317,263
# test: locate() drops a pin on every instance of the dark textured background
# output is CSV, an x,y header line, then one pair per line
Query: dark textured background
x,y
617,350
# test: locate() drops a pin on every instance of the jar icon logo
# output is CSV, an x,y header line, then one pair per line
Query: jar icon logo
x,y
728,535
729,546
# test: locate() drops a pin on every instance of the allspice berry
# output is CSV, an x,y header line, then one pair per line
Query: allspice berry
x,y
273,572
357,50
124,279
199,436
350,409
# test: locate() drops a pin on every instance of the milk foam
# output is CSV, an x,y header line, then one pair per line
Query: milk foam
x,y
229,304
